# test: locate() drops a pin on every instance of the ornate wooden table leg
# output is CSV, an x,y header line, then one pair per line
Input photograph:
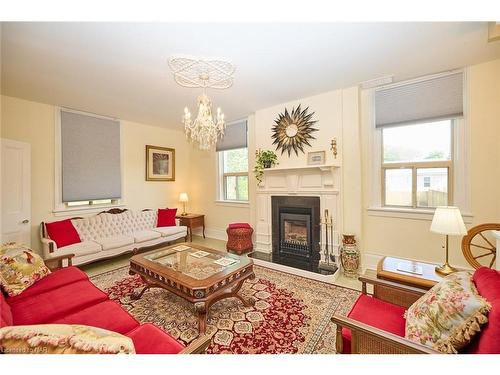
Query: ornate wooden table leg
x,y
136,295
201,310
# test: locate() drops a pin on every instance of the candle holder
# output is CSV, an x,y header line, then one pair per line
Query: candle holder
x,y
333,147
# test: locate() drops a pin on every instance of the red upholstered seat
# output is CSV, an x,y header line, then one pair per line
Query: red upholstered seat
x,y
239,238
56,303
52,281
107,315
239,225
5,312
375,313
149,339
487,282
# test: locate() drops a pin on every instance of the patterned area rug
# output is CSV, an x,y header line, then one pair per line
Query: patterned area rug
x,y
291,313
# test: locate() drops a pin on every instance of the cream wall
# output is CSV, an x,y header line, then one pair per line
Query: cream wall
x,y
203,196
327,108
34,123
412,238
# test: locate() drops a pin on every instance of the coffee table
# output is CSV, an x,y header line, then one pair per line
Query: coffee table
x,y
189,271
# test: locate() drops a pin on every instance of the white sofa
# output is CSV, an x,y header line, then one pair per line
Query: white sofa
x,y
112,233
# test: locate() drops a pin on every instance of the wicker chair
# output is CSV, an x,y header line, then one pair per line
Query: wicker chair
x,y
366,339
376,325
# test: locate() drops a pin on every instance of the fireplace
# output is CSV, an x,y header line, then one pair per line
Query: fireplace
x,y
296,231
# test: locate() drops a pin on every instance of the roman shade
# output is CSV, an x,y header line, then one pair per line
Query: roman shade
x,y
90,156
235,137
427,100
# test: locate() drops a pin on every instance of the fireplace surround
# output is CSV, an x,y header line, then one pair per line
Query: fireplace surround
x,y
296,231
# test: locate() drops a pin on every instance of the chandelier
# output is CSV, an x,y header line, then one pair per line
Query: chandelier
x,y
205,130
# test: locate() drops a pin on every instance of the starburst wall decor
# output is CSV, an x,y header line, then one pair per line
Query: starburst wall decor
x,y
293,130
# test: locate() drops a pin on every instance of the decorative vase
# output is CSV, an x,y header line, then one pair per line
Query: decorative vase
x,y
350,255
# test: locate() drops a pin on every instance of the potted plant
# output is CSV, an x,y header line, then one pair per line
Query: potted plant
x,y
264,160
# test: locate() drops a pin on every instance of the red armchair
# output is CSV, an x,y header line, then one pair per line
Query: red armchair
x,y
376,324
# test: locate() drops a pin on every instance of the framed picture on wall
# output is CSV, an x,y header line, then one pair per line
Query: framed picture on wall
x,y
316,158
160,163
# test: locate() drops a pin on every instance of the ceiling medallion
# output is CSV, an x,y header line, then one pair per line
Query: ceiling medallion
x,y
203,73
293,130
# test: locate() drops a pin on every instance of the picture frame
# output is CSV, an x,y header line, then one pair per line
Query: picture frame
x,y
160,163
316,158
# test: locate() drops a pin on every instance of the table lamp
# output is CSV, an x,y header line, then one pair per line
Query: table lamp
x,y
447,220
183,197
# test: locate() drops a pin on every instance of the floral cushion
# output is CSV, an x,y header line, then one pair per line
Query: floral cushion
x,y
20,268
448,315
63,339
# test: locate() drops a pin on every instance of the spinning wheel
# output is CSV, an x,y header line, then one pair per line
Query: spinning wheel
x,y
479,247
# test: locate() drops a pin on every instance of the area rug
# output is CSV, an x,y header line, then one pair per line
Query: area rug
x,y
291,314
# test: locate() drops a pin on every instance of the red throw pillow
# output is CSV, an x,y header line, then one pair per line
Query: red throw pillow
x,y
166,217
63,233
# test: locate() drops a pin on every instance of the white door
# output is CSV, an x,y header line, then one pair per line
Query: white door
x,y
16,191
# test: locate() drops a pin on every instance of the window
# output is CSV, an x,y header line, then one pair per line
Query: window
x,y
88,161
232,154
417,165
234,168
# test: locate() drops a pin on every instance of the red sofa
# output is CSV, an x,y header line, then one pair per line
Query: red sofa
x,y
379,326
67,296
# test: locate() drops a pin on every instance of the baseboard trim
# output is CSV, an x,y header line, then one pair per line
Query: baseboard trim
x,y
215,233
370,260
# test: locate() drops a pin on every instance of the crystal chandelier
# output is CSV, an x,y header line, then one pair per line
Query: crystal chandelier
x,y
205,130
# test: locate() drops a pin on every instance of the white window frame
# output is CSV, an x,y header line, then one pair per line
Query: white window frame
x,y
460,187
60,207
220,198
414,166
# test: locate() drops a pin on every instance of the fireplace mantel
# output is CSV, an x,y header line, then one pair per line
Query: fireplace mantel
x,y
323,167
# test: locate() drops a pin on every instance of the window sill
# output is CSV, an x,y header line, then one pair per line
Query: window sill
x,y
410,213
241,204
84,209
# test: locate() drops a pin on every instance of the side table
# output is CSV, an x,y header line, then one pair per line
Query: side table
x,y
192,221
408,272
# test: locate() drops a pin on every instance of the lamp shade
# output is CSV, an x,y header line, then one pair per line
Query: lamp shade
x,y
183,197
448,220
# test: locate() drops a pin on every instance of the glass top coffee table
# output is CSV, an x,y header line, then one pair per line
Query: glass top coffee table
x,y
198,274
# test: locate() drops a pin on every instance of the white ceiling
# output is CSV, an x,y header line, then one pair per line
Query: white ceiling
x,y
121,70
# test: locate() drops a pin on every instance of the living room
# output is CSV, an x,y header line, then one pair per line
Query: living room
x,y
250,188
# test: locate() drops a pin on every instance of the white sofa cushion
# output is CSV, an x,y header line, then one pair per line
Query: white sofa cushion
x,y
145,235
79,249
170,231
113,242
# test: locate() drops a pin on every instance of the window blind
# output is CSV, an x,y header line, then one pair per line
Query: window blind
x,y
90,155
235,137
438,98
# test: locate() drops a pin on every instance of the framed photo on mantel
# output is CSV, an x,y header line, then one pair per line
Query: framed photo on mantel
x,y
160,163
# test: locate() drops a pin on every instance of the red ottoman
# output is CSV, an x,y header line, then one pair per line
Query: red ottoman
x,y
239,238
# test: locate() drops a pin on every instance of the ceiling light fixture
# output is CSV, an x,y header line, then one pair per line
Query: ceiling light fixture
x,y
204,73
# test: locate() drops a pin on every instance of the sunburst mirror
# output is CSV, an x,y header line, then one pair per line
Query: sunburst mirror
x,y
293,130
